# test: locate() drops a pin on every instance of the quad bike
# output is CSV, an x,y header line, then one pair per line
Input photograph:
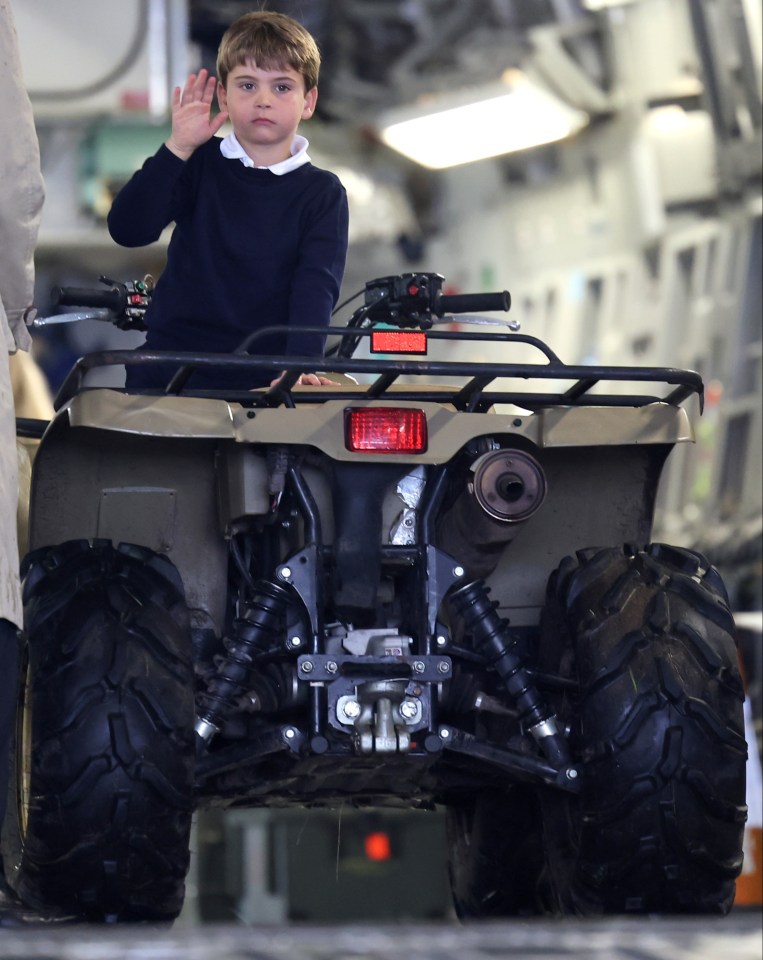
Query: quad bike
x,y
430,584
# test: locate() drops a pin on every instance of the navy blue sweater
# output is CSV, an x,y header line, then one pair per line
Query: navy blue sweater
x,y
250,249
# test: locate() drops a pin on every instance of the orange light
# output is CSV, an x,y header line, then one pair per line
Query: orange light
x,y
398,341
378,847
385,430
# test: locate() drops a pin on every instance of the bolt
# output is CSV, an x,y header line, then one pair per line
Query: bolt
x,y
572,773
419,666
442,641
290,733
408,710
295,642
307,666
443,666
444,733
331,666
351,709
458,571
285,573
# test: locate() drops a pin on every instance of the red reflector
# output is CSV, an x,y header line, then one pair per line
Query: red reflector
x,y
378,847
385,430
398,341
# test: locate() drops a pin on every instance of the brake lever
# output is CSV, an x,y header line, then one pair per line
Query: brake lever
x,y
514,325
65,318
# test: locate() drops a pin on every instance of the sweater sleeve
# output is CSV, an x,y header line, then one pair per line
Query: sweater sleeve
x,y
149,201
320,268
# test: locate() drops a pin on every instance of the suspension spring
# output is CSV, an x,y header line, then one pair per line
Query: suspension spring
x,y
253,631
492,638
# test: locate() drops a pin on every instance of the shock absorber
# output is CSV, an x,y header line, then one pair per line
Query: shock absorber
x,y
493,639
254,631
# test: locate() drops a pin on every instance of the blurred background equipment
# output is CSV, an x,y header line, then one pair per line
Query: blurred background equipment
x,y
315,865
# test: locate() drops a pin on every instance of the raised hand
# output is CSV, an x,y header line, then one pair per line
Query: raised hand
x,y
192,124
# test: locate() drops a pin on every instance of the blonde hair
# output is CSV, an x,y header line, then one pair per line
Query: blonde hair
x,y
272,41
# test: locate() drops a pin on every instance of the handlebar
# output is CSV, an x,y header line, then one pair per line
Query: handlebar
x,y
126,302
114,299
409,300
473,302
414,299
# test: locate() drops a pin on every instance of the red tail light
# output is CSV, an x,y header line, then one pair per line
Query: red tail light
x,y
398,341
377,846
385,430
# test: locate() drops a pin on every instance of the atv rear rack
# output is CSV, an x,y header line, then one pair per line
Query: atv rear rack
x,y
473,396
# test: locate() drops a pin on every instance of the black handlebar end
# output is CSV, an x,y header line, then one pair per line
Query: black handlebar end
x,y
115,298
474,302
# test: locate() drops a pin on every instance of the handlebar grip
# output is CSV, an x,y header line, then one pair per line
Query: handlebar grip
x,y
112,299
473,302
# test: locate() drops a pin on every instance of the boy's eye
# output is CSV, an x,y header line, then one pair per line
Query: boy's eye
x,y
283,87
246,85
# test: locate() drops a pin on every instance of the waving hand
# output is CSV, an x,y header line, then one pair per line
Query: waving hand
x,y
192,123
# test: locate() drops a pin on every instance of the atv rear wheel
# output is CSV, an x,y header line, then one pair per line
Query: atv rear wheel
x,y
104,770
495,854
658,728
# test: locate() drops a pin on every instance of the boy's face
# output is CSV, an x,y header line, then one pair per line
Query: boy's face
x,y
265,107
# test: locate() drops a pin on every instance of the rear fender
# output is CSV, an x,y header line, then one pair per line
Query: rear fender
x,y
157,492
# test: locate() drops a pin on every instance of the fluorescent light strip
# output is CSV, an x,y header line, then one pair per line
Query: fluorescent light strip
x,y
521,117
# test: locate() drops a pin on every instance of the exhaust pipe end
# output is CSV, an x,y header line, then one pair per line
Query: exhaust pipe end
x,y
509,485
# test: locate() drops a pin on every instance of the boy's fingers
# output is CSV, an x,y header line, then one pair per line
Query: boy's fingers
x,y
308,380
201,84
188,88
315,380
194,85
209,89
218,121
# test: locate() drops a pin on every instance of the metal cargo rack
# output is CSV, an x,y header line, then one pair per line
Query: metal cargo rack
x,y
474,396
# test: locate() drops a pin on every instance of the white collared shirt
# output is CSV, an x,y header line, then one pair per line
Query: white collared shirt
x,y
232,149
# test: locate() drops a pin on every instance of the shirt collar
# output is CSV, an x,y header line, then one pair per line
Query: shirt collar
x,y
232,149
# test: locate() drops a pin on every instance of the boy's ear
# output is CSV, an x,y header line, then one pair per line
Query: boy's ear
x,y
222,96
310,100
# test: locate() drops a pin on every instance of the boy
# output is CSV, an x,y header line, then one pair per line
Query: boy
x,y
260,234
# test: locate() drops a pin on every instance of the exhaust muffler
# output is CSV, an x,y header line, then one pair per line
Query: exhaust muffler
x,y
505,489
